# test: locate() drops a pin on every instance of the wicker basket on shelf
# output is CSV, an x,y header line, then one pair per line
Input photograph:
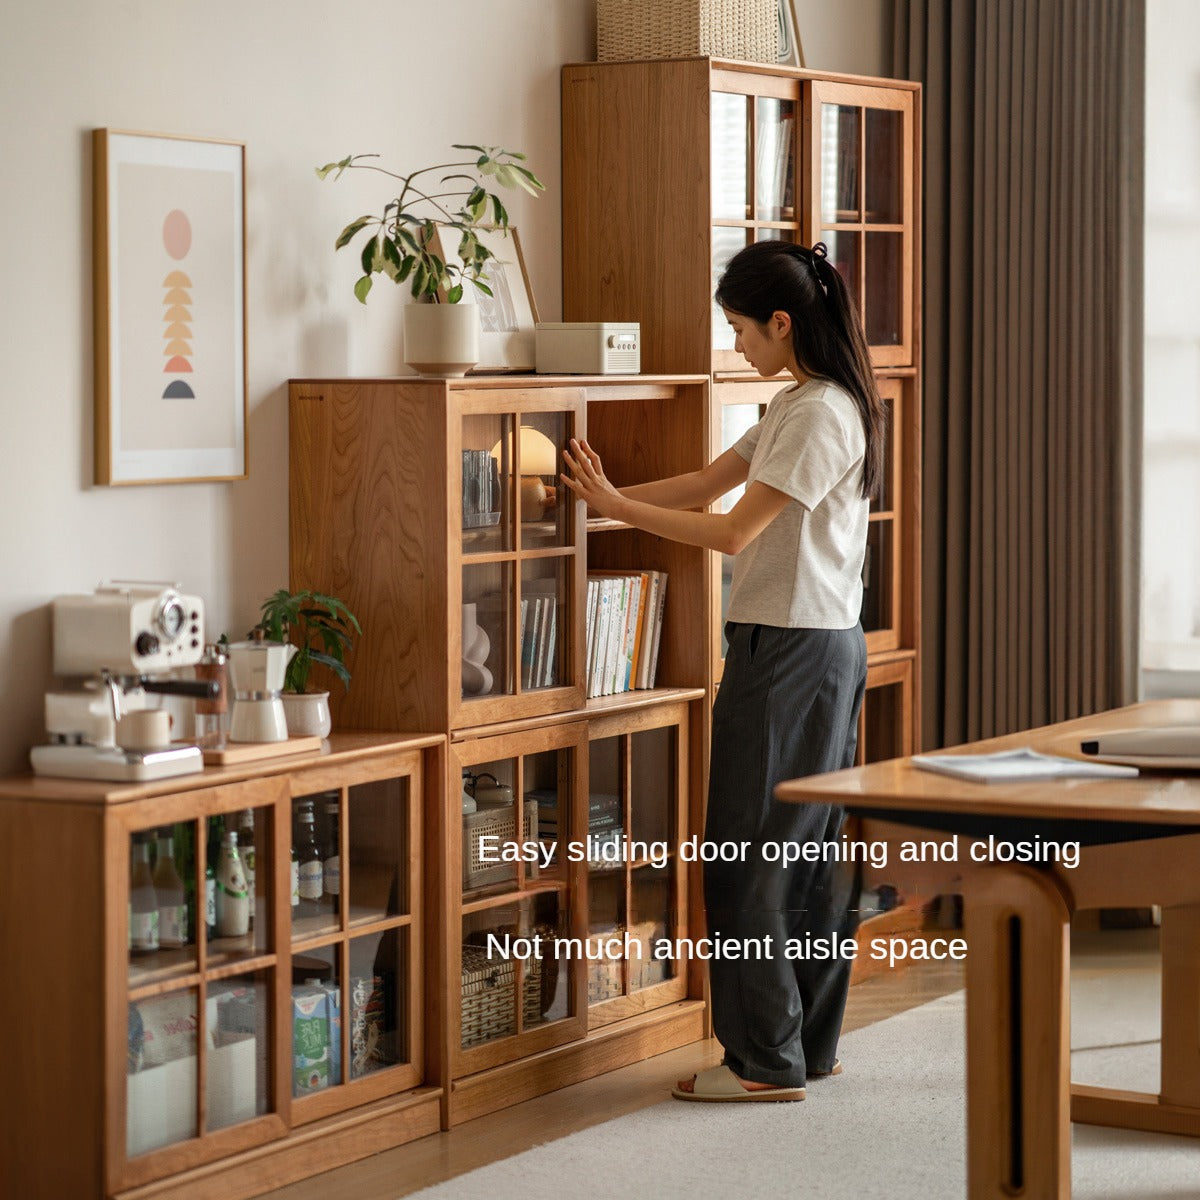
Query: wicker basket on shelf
x,y
500,823
487,995
741,29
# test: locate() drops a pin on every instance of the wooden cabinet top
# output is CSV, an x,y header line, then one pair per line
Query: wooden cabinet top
x,y
512,381
340,749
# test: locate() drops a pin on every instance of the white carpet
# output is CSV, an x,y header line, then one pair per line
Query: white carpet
x,y
890,1128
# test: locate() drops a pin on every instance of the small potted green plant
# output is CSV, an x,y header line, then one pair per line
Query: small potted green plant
x,y
322,628
404,243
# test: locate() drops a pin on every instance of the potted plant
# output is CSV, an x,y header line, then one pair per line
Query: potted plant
x,y
404,243
322,628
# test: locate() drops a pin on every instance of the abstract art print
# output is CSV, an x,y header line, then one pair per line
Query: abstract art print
x,y
170,307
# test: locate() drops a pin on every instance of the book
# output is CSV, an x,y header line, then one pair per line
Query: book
x,y
529,623
1018,766
648,623
658,624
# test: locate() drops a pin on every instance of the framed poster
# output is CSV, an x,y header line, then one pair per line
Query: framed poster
x,y
170,308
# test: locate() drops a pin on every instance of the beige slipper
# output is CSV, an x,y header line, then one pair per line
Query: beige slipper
x,y
837,1070
719,1085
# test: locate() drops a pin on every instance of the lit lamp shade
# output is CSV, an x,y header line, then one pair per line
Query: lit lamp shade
x,y
539,456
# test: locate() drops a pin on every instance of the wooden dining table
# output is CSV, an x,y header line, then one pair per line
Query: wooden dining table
x,y
1139,845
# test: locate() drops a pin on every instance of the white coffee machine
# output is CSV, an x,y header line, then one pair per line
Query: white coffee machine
x,y
117,639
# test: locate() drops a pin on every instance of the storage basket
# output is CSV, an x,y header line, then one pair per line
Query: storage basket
x,y
500,823
487,995
741,29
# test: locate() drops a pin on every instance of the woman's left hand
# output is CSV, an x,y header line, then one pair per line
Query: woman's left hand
x,y
588,481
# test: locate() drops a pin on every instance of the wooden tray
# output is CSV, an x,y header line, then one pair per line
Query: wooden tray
x,y
244,752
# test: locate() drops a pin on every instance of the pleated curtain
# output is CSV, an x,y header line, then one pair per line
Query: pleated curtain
x,y
1031,315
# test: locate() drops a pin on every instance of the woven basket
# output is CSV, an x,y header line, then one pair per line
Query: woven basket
x,y
487,995
741,29
500,823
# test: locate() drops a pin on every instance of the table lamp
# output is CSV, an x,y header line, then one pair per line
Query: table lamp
x,y
539,457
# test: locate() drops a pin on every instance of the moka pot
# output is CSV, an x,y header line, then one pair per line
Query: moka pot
x,y
257,669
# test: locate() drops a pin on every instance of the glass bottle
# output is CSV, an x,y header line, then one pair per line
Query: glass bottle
x,y
233,899
308,856
330,851
246,849
168,888
143,900
211,854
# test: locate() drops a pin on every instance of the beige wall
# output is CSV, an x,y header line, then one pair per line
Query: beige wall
x,y
301,83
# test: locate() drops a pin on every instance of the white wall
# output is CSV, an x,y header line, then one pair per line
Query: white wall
x,y
1171,547
300,83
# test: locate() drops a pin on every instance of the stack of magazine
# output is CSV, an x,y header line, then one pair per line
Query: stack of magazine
x,y
624,629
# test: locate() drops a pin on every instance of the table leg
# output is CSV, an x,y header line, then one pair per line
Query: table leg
x,y
1018,1036
1180,942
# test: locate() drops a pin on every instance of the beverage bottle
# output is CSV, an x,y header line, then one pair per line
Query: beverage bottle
x,y
143,901
246,849
168,887
308,857
331,852
233,900
211,854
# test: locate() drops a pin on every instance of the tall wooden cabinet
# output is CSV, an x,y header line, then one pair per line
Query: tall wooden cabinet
x,y
670,167
433,508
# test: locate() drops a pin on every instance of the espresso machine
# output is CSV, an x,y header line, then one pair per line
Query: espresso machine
x,y
114,642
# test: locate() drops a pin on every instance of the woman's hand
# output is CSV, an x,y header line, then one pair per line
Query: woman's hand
x,y
588,481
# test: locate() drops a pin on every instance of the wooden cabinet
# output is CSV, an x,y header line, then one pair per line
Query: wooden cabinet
x,y
213,1049
669,168
426,506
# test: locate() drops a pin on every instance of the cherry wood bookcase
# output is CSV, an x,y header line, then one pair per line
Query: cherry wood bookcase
x,y
392,511
671,166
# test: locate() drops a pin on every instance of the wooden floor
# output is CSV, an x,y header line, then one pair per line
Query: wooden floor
x,y
407,1169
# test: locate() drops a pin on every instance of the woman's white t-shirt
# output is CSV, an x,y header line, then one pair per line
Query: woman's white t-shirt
x,y
804,570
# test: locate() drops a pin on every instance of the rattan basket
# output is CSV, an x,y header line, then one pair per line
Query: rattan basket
x,y
487,995
495,822
741,29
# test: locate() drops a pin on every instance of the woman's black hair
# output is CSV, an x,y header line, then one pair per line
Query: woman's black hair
x,y
827,334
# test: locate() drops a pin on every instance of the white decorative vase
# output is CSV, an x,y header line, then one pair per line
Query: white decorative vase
x,y
441,339
476,678
307,713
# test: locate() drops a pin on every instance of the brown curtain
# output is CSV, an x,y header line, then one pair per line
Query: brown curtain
x,y
1031,315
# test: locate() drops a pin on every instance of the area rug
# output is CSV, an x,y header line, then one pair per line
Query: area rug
x,y
890,1128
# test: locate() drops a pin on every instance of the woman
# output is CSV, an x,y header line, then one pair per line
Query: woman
x,y
796,665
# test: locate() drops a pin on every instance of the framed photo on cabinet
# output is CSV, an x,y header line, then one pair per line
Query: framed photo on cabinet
x,y
507,317
170,308
791,52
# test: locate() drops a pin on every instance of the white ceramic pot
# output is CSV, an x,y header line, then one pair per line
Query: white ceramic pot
x,y
441,339
307,713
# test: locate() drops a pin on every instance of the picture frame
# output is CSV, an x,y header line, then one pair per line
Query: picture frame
x,y
169,254
508,318
791,51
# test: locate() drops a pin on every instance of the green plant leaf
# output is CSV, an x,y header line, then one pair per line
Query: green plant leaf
x,y
455,294
361,288
483,287
339,167
348,233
